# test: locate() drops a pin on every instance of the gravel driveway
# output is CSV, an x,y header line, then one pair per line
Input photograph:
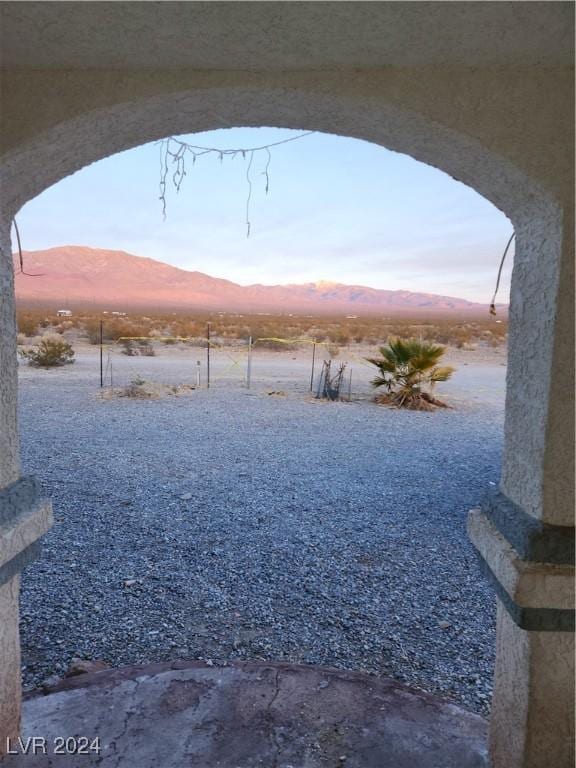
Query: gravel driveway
x,y
231,523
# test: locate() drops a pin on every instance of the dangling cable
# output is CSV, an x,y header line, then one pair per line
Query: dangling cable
x,y
249,195
20,256
493,302
175,151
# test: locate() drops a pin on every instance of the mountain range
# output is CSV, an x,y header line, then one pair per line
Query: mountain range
x,y
77,275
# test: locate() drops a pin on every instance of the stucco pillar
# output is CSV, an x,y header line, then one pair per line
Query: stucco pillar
x,y
24,516
524,533
9,446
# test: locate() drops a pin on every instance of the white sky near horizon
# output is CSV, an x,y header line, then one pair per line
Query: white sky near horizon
x,y
338,209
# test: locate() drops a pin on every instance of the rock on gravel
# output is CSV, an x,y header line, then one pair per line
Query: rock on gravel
x,y
85,666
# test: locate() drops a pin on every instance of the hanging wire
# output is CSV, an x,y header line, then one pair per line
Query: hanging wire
x,y
493,302
174,152
249,196
265,171
21,257
236,151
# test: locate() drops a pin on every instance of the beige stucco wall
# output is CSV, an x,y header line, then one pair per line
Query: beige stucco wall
x,y
520,115
9,662
532,719
9,444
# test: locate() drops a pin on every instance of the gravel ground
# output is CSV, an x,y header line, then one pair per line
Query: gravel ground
x,y
234,524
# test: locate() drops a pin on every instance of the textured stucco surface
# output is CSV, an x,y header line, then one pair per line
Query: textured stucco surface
x,y
538,466
285,36
483,91
9,447
558,470
532,719
24,530
10,688
533,585
476,124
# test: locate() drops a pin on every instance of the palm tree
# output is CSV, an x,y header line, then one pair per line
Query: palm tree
x,y
405,367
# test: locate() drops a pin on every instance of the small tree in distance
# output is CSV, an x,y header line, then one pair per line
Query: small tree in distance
x,y
50,353
406,366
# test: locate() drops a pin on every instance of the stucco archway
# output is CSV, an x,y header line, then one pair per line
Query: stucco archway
x,y
73,144
528,487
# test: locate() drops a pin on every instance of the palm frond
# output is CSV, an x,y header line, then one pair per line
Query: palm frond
x,y
400,350
382,365
381,381
441,374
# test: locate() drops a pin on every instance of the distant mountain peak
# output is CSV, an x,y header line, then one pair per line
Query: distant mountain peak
x,y
77,274
326,284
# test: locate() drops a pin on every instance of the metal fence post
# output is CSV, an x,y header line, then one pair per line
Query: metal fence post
x,y
101,353
207,355
313,359
249,364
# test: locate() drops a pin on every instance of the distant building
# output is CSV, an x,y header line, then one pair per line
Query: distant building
x,y
64,313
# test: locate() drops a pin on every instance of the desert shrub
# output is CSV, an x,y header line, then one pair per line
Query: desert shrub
x,y
338,336
333,350
112,330
458,336
276,345
92,331
128,348
187,329
133,348
119,329
50,353
197,341
140,389
27,324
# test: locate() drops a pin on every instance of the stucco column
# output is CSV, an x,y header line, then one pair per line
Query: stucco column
x,y
524,533
24,516
9,446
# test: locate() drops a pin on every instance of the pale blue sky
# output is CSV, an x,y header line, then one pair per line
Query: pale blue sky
x,y
338,209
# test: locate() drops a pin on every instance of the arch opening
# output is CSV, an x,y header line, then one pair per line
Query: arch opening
x,y
367,559
129,118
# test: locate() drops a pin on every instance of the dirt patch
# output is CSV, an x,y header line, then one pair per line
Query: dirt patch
x,y
146,390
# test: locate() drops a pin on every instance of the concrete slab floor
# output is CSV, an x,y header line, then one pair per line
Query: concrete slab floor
x,y
247,715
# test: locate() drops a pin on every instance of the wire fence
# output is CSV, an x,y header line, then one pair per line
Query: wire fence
x,y
212,361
